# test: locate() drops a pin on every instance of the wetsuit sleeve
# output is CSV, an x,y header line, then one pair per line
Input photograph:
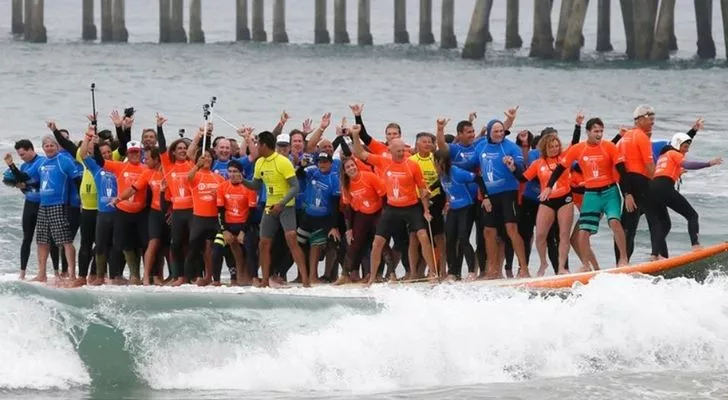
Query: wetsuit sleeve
x,y
617,138
692,133
161,140
518,173
481,187
576,136
348,216
66,144
163,203
558,171
624,178
124,137
341,141
693,165
292,191
435,185
363,135
254,184
18,174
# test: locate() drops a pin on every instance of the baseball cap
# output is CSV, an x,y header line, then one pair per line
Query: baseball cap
x,y
324,157
133,145
283,139
642,111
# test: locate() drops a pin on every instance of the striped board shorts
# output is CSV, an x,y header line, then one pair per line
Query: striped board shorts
x,y
53,225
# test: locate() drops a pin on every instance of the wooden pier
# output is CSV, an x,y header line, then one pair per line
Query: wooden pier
x,y
649,25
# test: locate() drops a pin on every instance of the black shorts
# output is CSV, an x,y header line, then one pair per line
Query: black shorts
x,y
130,230
158,227
557,203
437,204
53,225
235,229
204,228
503,211
314,230
395,217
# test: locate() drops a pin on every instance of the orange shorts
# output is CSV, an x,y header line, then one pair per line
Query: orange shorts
x,y
578,199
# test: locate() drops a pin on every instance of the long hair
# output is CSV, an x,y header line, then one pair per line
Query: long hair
x,y
344,178
443,160
173,148
545,141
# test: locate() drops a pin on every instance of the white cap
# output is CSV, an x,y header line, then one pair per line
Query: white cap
x,y
642,111
678,139
133,145
283,139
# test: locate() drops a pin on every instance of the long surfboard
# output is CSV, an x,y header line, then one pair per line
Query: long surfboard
x,y
686,264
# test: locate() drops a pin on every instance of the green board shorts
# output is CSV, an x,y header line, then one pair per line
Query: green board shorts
x,y
607,201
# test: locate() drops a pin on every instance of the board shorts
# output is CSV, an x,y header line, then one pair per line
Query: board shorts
x,y
270,223
412,217
53,225
558,202
314,230
158,227
503,211
605,201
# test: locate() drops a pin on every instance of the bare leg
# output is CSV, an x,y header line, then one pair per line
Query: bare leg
x,y
207,262
566,218
313,262
440,252
544,220
298,257
375,258
149,260
519,248
491,249
43,251
585,246
413,252
264,247
424,240
621,240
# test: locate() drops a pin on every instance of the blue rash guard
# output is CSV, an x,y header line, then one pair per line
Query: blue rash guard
x,y
531,189
456,187
221,168
495,174
31,190
105,185
657,147
321,193
54,175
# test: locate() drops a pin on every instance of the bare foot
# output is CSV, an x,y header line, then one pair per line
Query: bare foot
x,y
203,281
355,276
135,281
64,275
40,278
697,247
146,281
523,272
490,275
432,278
392,278
157,281
216,283
622,263
563,272
451,278
22,275
98,281
78,282
585,268
343,280
542,270
312,281
178,282
471,277
509,274
244,282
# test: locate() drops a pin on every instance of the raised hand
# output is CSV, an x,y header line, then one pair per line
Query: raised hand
x,y
325,121
623,130
357,109
284,117
442,123
716,161
699,124
511,113
508,161
127,122
116,118
580,118
307,126
472,116
245,131
92,117
160,119
51,125
355,129
8,159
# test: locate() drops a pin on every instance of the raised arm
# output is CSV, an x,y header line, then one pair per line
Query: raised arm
x,y
161,140
318,133
20,177
194,145
697,126
359,151
281,123
511,115
576,136
440,134
357,109
197,167
65,143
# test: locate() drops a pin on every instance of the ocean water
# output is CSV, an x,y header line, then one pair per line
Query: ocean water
x,y
619,337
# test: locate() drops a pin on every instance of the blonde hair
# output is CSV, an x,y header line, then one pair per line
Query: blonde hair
x,y
543,144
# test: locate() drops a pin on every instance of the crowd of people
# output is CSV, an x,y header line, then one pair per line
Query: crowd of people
x,y
262,202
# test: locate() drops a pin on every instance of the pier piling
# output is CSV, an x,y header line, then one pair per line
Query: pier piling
x,y
542,43
643,28
34,31
242,32
177,32
604,11
16,18
513,39
321,32
197,35
107,21
341,35
628,19
119,32
665,22
564,17
426,36
88,30
400,22
475,42
488,9
279,22
447,29
724,12
165,11
704,21
364,23
259,34
573,39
